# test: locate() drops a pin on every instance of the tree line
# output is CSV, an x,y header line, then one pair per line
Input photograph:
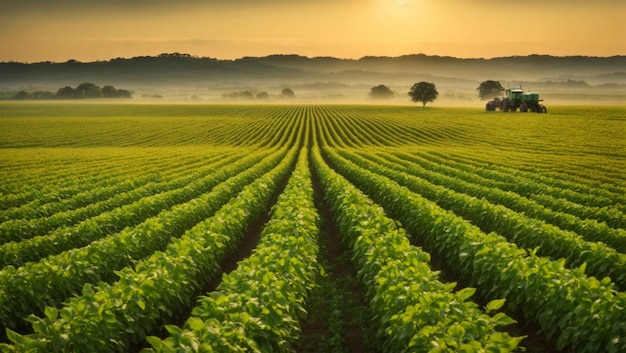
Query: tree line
x,y
83,91
426,92
285,93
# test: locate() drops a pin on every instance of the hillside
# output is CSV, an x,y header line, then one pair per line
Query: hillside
x,y
173,74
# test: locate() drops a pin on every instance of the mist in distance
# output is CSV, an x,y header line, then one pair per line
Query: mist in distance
x,y
183,77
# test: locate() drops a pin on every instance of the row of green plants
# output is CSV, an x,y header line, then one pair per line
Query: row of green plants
x,y
378,131
30,288
370,128
330,128
153,125
517,227
578,217
559,211
264,131
63,180
578,312
94,203
113,317
61,200
412,310
149,201
607,214
281,128
16,192
528,183
258,307
335,133
70,172
21,226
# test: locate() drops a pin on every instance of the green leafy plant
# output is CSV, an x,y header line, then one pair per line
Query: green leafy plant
x,y
258,306
116,253
412,309
576,311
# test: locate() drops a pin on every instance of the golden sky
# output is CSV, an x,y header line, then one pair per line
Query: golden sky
x,y
86,30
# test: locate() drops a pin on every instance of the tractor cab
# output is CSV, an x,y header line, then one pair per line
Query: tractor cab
x,y
514,95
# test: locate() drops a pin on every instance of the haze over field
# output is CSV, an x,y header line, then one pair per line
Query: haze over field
x,y
41,30
177,76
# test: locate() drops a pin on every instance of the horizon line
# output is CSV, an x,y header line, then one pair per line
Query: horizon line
x,y
310,57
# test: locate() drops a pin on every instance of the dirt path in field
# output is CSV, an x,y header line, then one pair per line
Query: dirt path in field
x,y
338,316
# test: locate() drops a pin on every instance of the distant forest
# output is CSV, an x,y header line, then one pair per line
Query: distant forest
x,y
83,91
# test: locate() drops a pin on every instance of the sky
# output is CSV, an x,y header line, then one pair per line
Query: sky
x,y
89,30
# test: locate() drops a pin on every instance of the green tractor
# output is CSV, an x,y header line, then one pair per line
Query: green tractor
x,y
516,98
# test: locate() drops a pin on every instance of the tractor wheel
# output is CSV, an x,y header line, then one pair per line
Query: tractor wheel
x,y
523,107
506,105
543,109
488,106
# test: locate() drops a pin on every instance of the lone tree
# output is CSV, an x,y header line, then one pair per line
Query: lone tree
x,y
423,92
262,95
287,93
489,89
381,92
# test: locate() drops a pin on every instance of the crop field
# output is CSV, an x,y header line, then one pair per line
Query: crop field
x,y
311,228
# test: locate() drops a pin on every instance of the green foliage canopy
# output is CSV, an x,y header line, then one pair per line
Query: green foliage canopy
x,y
82,91
287,93
381,92
489,89
423,92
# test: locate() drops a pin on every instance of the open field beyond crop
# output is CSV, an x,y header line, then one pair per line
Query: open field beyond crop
x,y
311,228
